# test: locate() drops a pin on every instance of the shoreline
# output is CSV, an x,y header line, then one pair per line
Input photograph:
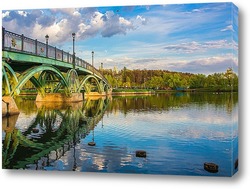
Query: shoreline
x,y
121,93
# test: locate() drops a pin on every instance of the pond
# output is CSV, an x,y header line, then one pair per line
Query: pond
x,y
179,132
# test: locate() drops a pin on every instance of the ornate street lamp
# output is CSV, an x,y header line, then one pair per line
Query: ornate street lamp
x,y
47,44
74,63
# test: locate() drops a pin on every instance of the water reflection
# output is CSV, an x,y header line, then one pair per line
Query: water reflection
x,y
179,132
160,102
55,128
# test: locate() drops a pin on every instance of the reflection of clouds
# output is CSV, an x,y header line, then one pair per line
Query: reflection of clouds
x,y
205,115
88,159
188,122
108,157
24,121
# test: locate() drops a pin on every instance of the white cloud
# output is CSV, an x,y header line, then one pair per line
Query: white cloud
x,y
67,11
196,10
140,20
22,13
194,47
109,60
5,14
114,24
228,28
60,23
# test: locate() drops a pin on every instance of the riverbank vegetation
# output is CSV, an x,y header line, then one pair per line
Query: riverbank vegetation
x,y
162,80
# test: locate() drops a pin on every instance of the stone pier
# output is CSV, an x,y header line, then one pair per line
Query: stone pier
x,y
95,94
59,97
9,106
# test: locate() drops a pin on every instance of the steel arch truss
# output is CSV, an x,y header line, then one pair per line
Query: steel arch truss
x,y
87,84
73,80
9,79
50,78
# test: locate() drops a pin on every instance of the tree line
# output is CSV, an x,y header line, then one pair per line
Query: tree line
x,y
167,80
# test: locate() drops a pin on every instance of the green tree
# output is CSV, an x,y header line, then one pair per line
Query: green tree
x,y
197,81
174,81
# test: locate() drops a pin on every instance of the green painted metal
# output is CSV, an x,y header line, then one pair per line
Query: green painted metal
x,y
9,78
13,74
29,64
38,85
28,74
49,80
34,60
85,79
73,80
22,58
6,83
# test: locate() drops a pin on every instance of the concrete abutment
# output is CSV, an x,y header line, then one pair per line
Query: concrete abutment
x,y
9,106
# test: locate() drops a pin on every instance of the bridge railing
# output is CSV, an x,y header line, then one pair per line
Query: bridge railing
x,y
20,43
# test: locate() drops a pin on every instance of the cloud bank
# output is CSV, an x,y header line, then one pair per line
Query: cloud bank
x,y
59,24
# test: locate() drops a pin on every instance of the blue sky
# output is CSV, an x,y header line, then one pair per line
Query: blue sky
x,y
196,38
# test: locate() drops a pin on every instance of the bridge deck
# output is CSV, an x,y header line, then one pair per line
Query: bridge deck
x,y
22,52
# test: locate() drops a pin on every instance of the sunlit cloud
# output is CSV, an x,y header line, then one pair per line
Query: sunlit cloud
x,y
228,28
86,23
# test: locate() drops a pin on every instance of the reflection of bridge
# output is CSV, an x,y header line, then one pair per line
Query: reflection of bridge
x,y
51,71
52,131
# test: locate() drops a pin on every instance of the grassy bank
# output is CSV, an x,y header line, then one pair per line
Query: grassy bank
x,y
132,91
199,90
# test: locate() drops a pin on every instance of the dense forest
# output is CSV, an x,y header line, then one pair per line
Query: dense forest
x,y
166,80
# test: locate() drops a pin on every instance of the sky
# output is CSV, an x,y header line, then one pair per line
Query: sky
x,y
195,38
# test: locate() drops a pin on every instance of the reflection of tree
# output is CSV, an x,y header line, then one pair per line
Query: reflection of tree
x,y
57,128
160,102
26,105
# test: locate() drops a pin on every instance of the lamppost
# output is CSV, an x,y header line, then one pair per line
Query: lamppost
x,y
74,35
93,61
102,68
47,46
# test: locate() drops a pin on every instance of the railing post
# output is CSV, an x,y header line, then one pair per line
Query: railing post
x,y
3,37
22,42
36,46
62,55
68,57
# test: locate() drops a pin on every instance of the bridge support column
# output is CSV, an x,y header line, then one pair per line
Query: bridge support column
x,y
59,97
109,91
9,106
9,122
94,94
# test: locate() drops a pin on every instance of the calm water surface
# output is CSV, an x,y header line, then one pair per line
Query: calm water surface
x,y
179,132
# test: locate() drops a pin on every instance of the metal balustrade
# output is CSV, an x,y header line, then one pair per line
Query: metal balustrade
x,y
20,43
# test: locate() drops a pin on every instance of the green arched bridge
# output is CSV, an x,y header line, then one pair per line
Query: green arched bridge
x,y
51,71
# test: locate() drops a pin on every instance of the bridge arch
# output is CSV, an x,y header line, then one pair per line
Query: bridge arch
x,y
29,75
9,78
85,79
73,80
